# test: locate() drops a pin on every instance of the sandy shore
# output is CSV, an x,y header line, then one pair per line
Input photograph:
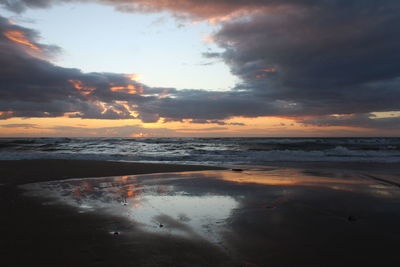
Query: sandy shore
x,y
36,234
285,215
27,171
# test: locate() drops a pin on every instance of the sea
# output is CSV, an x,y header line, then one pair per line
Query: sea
x,y
205,151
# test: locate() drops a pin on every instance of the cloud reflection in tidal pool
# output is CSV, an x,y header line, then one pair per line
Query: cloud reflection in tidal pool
x,y
154,202
208,204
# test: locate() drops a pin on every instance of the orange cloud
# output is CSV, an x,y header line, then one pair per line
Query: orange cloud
x,y
133,77
212,11
6,115
20,37
265,71
130,89
208,39
234,15
259,76
268,70
84,90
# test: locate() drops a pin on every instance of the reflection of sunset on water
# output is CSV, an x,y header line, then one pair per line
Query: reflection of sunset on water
x,y
204,204
287,177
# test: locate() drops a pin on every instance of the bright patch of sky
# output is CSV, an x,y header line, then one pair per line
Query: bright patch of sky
x,y
165,52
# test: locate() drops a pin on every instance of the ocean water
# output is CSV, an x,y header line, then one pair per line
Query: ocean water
x,y
205,151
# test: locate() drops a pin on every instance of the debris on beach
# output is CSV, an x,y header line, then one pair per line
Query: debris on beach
x,y
352,218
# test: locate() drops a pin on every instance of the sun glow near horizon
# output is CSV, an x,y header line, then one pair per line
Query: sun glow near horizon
x,y
241,127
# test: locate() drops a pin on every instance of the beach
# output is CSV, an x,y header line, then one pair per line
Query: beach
x,y
26,171
161,133
58,236
280,215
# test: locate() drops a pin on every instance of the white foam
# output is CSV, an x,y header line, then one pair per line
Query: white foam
x,y
207,151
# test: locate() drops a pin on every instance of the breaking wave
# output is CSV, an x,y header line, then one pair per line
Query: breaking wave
x,y
210,151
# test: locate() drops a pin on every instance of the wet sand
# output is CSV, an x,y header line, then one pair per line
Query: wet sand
x,y
281,215
35,234
26,171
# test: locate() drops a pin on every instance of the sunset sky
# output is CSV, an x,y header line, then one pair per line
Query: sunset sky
x,y
147,68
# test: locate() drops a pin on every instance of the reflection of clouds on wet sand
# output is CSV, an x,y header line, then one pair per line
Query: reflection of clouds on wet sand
x,y
146,201
280,211
287,177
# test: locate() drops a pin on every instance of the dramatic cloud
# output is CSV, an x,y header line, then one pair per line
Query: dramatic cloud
x,y
321,58
221,9
33,87
295,58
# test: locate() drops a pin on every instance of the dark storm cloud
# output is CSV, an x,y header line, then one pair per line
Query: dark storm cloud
x,y
209,105
319,55
295,58
21,5
203,8
26,81
33,87
309,58
197,8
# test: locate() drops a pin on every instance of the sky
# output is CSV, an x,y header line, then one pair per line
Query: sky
x,y
221,68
